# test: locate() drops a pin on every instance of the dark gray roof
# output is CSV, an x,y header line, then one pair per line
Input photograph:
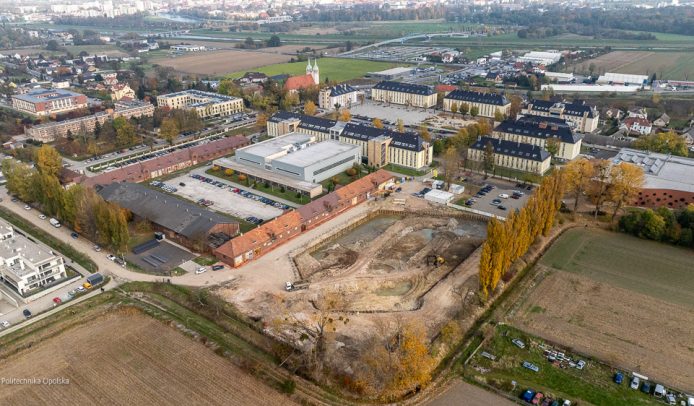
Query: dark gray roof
x,y
478,97
539,127
410,140
307,122
572,109
339,90
185,218
514,149
405,88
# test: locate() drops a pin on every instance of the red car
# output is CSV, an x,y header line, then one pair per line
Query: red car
x,y
57,300
538,397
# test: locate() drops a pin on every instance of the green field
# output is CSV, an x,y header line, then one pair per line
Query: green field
x,y
592,384
330,68
658,270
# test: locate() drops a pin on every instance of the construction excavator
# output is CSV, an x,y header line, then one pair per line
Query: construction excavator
x,y
435,260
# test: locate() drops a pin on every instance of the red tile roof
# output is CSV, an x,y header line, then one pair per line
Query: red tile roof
x,y
299,82
445,88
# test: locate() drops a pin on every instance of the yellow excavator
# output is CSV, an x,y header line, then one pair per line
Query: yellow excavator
x,y
435,260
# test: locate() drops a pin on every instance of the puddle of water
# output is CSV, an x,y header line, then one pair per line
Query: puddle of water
x,y
398,290
365,232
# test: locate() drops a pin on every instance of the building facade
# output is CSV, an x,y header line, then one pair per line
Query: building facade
x,y
541,131
24,266
580,116
405,94
513,155
487,103
45,102
340,95
206,104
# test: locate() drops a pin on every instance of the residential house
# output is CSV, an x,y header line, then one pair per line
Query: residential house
x,y
662,121
636,126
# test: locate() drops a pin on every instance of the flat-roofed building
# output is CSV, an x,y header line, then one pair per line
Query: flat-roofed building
x,y
44,102
206,104
26,267
540,131
487,103
509,154
610,78
404,93
340,95
540,57
579,115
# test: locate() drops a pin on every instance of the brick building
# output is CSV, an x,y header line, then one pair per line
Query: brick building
x,y
44,102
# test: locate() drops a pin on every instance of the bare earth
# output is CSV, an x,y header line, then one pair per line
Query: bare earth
x,y
129,359
220,62
622,327
464,394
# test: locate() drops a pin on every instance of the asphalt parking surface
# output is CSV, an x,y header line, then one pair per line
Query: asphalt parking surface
x,y
484,203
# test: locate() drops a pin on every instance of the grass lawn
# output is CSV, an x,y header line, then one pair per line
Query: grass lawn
x,y
205,260
404,171
341,179
658,270
287,195
592,384
331,68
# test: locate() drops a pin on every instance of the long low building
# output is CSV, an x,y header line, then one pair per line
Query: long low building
x,y
379,146
513,155
487,103
265,238
206,104
51,131
184,222
579,115
540,131
404,93
45,102
669,180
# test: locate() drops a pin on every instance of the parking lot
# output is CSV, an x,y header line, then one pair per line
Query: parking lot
x,y
484,202
391,113
223,199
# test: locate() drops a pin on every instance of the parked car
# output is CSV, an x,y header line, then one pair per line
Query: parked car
x,y
503,196
538,398
646,387
81,289
580,364
5,324
618,378
26,313
495,202
57,300
111,257
518,343
635,381
200,270
528,395
74,235
27,207
42,216
659,391
217,267
501,207
670,399
531,366
97,248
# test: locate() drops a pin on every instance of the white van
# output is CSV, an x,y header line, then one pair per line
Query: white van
x,y
55,223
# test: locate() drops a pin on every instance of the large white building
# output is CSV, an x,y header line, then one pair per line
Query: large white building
x,y
540,57
340,95
24,266
622,79
580,116
206,104
44,102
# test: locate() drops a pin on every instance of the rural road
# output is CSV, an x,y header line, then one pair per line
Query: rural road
x,y
464,394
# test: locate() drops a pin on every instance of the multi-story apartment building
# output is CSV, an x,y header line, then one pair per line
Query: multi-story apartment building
x,y
379,146
579,115
206,104
44,102
25,266
49,132
340,95
540,131
510,154
487,104
404,93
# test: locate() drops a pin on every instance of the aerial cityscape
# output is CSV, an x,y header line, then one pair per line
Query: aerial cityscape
x,y
347,202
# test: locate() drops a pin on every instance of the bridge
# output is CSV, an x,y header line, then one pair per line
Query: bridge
x,y
406,38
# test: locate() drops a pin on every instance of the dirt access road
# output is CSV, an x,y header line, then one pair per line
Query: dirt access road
x,y
145,362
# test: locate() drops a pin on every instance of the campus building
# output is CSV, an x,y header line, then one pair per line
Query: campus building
x,y
512,155
668,179
580,116
181,221
25,266
540,131
268,236
379,146
206,104
51,131
404,93
44,102
487,103
340,95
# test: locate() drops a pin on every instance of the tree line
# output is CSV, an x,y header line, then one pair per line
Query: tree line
x,y
661,224
509,240
79,207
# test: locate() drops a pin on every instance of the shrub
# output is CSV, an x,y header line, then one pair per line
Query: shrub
x,y
288,386
351,172
242,178
228,171
215,168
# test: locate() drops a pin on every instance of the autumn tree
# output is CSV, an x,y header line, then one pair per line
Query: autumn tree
x,y
400,125
463,108
600,183
666,143
454,108
19,179
488,158
345,115
376,122
310,108
424,133
125,131
625,182
578,174
169,130
516,106
261,120
48,161
474,111
552,145
451,163
498,115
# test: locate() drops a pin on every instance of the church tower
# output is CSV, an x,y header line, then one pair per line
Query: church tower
x,y
315,73
309,68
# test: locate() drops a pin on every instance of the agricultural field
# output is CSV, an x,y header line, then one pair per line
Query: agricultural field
x,y
218,63
127,358
332,68
591,385
626,301
666,65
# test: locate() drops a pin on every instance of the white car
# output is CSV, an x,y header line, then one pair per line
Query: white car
x,y
503,196
42,216
5,324
200,270
81,289
111,257
97,248
635,383
27,207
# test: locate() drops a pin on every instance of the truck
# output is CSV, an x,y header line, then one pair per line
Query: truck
x,y
55,223
95,279
292,286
